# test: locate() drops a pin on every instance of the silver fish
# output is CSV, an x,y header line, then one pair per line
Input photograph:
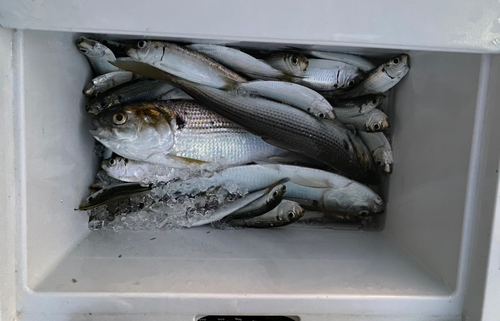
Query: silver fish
x,y
133,91
184,62
373,121
237,60
98,55
293,94
325,140
275,189
351,107
290,63
326,75
380,148
383,78
160,130
107,81
354,60
287,212
112,194
313,187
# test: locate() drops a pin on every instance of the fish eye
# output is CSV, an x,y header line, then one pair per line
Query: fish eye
x,y
102,104
112,162
350,83
321,115
290,215
84,51
141,44
376,126
395,61
363,213
374,101
335,86
295,61
379,163
119,118
90,199
275,194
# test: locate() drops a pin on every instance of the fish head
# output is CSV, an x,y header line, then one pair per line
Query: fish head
x,y
377,121
92,48
276,193
136,131
295,63
383,158
98,104
371,102
398,66
348,77
355,199
115,166
146,50
289,212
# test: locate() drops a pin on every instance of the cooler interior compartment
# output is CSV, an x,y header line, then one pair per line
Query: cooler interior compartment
x,y
411,270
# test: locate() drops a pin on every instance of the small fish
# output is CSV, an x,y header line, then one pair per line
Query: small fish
x,y
133,91
111,194
350,107
357,61
107,81
158,131
327,75
373,121
233,207
293,94
98,55
260,206
290,63
380,148
383,78
238,60
184,62
287,212
325,140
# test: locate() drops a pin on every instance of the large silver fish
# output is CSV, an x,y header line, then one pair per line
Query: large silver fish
x,y
327,75
238,60
137,90
383,78
98,55
161,130
311,187
184,62
325,140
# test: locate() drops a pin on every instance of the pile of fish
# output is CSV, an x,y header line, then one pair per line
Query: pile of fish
x,y
207,134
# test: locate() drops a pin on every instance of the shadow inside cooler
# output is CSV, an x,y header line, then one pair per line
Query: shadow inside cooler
x,y
416,253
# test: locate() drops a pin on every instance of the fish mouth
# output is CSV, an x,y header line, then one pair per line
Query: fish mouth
x,y
132,53
99,131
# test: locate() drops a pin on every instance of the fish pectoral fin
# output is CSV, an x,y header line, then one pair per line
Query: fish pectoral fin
x,y
350,127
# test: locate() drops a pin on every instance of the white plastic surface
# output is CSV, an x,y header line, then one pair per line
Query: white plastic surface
x,y
416,269
450,25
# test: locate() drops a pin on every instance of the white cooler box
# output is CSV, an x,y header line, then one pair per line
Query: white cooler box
x,y
431,261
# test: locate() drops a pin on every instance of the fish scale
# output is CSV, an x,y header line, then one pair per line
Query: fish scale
x,y
206,136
